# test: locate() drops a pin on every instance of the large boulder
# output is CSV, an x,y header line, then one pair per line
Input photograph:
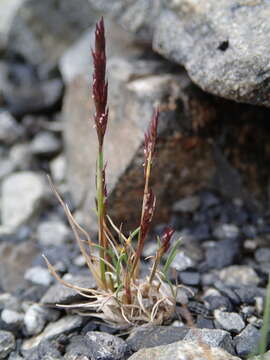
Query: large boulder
x,y
224,45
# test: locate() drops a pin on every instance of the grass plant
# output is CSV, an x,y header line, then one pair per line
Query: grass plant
x,y
121,296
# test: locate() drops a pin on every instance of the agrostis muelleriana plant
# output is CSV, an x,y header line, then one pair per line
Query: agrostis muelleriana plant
x,y
121,296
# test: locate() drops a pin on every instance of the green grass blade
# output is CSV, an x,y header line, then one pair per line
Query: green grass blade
x,y
171,257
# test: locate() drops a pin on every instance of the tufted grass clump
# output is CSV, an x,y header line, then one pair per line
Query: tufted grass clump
x,y
121,296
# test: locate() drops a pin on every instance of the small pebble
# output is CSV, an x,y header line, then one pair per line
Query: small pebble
x,y
7,343
226,231
247,340
229,321
38,275
46,144
12,319
239,275
52,233
188,204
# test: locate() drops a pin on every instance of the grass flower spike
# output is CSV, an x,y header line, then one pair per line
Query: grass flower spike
x,y
121,296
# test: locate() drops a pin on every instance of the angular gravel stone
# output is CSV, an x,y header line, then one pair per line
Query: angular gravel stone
x,y
150,336
45,143
226,231
218,302
65,325
12,319
229,321
38,275
182,261
22,195
239,275
52,233
60,294
221,254
36,318
7,343
104,346
212,337
21,156
9,129
247,340
58,168
183,350
189,278
262,255
188,204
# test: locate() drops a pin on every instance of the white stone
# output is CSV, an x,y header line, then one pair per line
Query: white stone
x,y
22,195
58,168
38,275
52,233
36,318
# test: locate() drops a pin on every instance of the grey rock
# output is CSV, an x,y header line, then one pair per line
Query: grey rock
x,y
223,45
189,278
208,39
226,231
6,168
182,261
214,302
14,260
46,349
221,254
58,168
247,340
9,301
12,319
65,325
10,131
151,336
150,249
8,9
239,275
36,318
60,294
262,255
182,350
33,96
212,337
52,232
45,143
21,156
104,346
15,356
136,17
188,204
22,196
248,293
38,275
229,321
7,343
42,31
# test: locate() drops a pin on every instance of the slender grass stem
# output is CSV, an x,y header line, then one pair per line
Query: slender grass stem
x,y
141,239
101,215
